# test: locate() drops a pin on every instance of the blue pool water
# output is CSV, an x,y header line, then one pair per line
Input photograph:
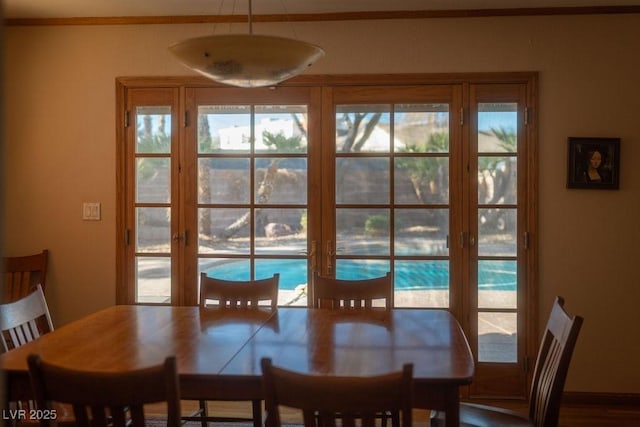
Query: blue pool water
x,y
417,275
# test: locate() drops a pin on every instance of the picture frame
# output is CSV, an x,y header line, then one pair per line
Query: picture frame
x,y
593,163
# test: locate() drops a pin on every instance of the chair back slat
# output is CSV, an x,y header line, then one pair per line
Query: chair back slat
x,y
22,334
552,365
80,412
253,294
18,284
23,273
137,415
363,294
114,398
97,415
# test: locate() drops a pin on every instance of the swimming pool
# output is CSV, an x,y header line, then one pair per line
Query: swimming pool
x,y
408,275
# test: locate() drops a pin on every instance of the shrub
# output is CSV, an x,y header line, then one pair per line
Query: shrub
x,y
377,225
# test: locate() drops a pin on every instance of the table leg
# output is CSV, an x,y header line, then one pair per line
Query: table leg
x,y
452,408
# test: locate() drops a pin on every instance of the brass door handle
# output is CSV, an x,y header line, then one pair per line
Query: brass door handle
x,y
177,237
312,255
330,254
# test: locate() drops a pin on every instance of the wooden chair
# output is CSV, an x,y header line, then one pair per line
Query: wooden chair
x,y
552,365
352,294
101,399
24,320
239,294
23,273
332,400
228,294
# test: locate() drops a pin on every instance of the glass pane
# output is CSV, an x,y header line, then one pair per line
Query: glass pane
x,y
223,180
421,283
422,180
224,231
153,280
153,129
421,128
362,231
153,231
362,181
349,269
497,180
280,231
281,180
362,128
421,231
293,275
153,180
497,337
226,268
497,284
293,279
281,128
224,129
497,127
497,232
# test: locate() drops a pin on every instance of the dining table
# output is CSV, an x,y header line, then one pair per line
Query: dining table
x,y
218,351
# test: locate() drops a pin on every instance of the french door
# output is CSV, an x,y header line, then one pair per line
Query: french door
x,y
393,194
432,181
149,189
252,198
501,206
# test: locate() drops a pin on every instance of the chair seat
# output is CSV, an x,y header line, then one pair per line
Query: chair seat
x,y
475,415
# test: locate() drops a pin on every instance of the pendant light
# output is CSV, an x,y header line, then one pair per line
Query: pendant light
x,y
246,60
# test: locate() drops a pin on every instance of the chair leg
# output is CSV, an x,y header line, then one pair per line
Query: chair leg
x,y
257,412
434,420
204,412
384,417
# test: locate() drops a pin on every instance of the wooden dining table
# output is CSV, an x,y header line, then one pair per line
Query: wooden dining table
x,y
219,351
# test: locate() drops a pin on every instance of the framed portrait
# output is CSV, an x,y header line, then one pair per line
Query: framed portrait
x,y
593,163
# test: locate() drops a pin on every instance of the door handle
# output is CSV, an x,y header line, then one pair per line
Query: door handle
x,y
311,254
177,237
330,254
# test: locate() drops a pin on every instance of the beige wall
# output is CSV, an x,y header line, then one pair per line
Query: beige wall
x,y
60,150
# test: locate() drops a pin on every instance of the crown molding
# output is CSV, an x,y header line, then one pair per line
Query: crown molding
x,y
319,17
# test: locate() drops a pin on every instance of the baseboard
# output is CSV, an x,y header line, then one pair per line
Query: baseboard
x,y
595,398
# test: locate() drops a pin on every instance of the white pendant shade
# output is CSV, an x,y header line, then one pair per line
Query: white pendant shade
x,y
246,60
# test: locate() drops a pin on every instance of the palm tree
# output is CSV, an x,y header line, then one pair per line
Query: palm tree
x,y
279,143
425,173
501,176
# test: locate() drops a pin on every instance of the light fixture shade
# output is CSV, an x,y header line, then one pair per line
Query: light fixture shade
x,y
246,60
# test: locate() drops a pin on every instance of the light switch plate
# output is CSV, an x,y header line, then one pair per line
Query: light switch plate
x,y
91,211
